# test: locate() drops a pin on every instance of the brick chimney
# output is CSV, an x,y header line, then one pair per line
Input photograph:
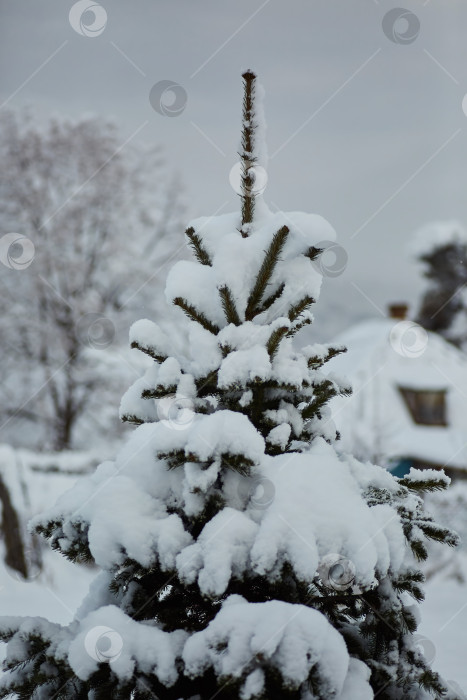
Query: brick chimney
x,y
398,311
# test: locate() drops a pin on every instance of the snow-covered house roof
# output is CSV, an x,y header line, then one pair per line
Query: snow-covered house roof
x,y
409,397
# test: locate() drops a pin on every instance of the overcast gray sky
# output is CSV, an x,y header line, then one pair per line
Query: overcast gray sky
x,y
367,131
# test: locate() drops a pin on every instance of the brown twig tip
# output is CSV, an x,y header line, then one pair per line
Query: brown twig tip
x,y
248,76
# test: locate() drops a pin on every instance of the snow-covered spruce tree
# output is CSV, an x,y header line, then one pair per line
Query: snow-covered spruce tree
x,y
442,249
209,589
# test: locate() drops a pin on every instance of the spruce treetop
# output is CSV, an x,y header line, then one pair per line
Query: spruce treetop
x,y
250,290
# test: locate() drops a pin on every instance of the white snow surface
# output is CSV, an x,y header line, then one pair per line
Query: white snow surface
x,y
149,335
293,638
130,645
199,283
300,525
297,524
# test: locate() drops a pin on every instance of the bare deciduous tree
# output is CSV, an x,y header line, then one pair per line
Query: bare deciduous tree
x,y
94,219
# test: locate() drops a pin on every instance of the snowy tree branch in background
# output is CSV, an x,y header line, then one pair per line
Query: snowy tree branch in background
x,y
442,249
